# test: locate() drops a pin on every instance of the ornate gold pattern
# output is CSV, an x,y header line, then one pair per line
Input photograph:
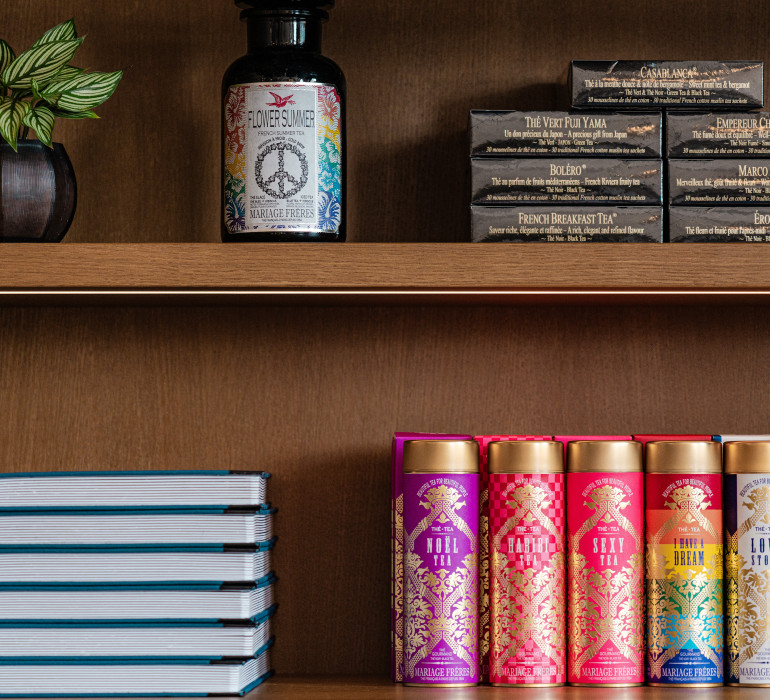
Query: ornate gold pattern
x,y
608,501
688,504
484,576
399,588
749,601
441,605
732,572
605,604
527,604
682,609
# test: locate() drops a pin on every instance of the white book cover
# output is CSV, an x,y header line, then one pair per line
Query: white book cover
x,y
129,489
132,566
134,678
126,527
78,603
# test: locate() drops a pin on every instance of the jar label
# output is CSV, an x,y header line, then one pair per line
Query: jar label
x,y
283,158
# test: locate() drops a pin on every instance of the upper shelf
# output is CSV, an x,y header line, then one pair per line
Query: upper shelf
x,y
383,272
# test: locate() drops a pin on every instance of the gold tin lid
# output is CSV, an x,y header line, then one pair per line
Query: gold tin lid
x,y
441,456
604,456
747,457
683,457
526,457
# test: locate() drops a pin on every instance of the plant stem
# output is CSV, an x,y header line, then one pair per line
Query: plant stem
x,y
25,133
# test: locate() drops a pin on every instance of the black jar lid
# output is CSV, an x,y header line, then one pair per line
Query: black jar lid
x,y
284,4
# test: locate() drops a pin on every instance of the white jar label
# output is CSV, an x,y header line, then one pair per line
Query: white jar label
x,y
283,158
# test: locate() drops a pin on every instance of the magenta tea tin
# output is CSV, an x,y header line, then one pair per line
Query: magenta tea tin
x,y
397,546
527,578
441,560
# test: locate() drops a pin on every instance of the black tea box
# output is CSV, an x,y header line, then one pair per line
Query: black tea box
x,y
566,224
526,134
707,182
565,181
666,84
719,224
718,135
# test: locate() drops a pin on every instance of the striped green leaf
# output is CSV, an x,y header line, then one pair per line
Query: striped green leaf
x,y
51,96
41,119
12,113
40,62
6,55
68,72
61,32
42,93
87,114
84,92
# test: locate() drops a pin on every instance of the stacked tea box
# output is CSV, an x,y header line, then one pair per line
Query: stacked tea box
x,y
719,177
566,176
135,583
718,154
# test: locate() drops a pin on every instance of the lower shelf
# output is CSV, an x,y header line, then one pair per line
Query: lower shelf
x,y
356,687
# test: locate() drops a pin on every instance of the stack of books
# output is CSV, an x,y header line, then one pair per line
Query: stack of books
x,y
135,583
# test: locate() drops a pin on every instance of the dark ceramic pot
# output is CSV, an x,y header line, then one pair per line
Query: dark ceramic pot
x,y
38,193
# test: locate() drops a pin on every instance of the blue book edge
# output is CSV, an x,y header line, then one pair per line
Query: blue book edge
x,y
261,509
137,472
32,661
191,548
241,693
133,585
258,619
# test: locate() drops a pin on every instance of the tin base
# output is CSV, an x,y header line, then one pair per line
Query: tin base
x,y
527,685
686,685
748,685
440,685
606,685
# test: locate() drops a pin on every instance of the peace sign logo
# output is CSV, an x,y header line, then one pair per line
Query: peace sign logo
x,y
279,180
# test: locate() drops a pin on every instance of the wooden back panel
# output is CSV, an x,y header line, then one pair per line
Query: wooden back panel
x,y
314,395
149,171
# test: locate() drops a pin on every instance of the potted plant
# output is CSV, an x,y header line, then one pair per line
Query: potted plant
x,y
36,88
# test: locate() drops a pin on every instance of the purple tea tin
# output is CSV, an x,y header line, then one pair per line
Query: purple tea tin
x,y
441,558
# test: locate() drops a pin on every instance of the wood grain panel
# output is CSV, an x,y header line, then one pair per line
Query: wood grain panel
x,y
149,170
406,268
321,687
313,395
347,688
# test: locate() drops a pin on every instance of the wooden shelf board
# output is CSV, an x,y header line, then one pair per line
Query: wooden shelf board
x,y
383,272
356,687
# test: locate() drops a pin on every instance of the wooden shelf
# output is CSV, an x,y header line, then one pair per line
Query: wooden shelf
x,y
355,688
386,272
